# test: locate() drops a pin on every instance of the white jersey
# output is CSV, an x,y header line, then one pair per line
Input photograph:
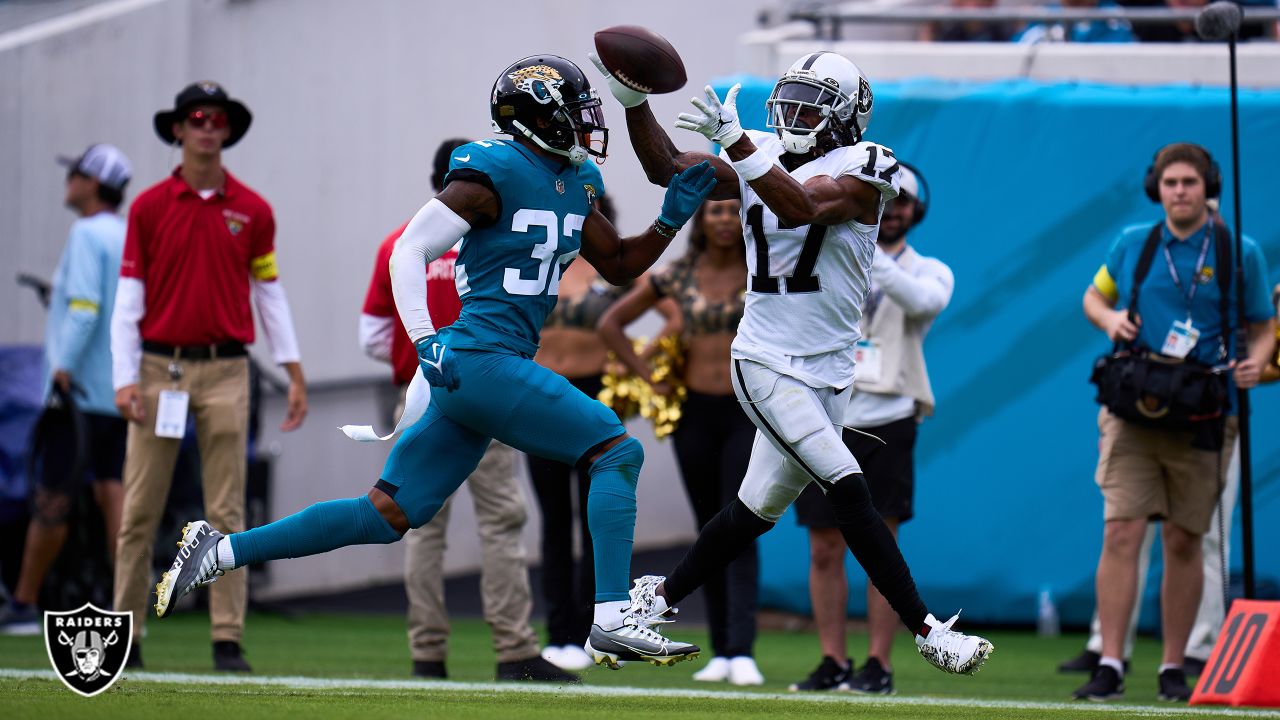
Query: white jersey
x,y
806,286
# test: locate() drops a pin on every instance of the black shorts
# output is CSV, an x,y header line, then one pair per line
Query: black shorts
x,y
889,468
104,442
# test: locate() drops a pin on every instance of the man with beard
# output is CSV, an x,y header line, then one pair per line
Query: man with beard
x,y
891,396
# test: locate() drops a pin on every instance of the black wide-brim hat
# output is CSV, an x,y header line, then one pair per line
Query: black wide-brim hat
x,y
204,93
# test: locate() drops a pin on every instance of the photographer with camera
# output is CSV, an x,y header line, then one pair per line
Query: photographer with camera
x,y
1167,300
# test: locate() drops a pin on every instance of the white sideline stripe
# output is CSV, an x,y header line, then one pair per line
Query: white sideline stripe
x,y
311,683
70,21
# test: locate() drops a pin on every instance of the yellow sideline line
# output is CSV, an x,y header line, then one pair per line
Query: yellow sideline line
x,y
311,683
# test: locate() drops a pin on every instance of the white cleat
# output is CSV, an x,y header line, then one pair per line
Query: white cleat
x,y
195,566
637,639
567,657
715,671
743,672
952,651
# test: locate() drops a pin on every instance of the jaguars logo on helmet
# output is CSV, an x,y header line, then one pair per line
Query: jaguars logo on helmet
x,y
548,100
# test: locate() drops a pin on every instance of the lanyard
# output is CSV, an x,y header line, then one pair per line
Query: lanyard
x,y
877,295
1173,271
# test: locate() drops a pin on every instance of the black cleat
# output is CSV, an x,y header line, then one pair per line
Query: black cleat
x,y
872,679
1085,662
430,669
827,676
1193,667
535,669
228,658
1106,684
134,661
1173,686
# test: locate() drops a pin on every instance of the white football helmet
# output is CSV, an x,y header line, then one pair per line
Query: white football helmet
x,y
822,96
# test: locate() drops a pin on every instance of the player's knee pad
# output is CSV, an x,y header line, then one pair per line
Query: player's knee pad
x,y
623,459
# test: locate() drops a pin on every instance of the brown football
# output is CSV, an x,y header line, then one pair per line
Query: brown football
x,y
641,59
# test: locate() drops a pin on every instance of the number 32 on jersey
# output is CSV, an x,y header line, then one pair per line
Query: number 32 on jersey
x,y
549,263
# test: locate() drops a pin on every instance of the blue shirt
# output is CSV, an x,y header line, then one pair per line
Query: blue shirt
x,y
77,335
1161,302
508,273
1083,31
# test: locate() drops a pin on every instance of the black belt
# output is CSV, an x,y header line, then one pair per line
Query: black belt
x,y
196,352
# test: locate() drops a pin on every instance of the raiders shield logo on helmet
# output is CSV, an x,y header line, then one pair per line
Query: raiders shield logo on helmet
x,y
88,647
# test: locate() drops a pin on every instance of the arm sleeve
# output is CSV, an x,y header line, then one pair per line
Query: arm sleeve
x,y
377,319
920,296
429,235
84,294
376,333
277,321
126,340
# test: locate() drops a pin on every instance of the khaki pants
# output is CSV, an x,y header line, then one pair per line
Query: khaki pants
x,y
504,573
219,392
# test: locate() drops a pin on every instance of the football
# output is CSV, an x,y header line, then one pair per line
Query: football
x,y
640,59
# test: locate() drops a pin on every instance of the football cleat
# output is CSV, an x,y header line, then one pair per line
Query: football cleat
x,y
952,651
196,565
636,639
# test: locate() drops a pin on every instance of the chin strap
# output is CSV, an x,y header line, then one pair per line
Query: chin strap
x,y
576,154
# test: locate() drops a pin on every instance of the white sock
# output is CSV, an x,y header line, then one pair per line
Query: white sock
x,y
1168,666
1114,663
226,557
609,614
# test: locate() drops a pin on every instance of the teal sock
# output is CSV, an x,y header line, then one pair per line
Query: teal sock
x,y
320,528
611,514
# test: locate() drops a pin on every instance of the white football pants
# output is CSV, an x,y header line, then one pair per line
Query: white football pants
x,y
798,437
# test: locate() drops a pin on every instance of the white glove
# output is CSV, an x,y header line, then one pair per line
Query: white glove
x,y
625,95
718,122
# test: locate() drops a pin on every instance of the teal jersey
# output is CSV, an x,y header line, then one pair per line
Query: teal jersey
x,y
508,273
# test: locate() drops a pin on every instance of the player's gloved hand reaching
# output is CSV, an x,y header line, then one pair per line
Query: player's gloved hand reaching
x,y
717,121
628,97
436,361
685,194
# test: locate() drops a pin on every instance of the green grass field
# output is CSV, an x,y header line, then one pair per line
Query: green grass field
x,y
330,666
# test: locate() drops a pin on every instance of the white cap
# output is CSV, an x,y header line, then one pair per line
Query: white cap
x,y
105,163
909,184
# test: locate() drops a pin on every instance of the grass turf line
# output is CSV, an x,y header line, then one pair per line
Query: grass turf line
x,y
374,647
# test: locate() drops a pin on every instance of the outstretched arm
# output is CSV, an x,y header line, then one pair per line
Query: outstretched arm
x,y
659,157
620,259
823,200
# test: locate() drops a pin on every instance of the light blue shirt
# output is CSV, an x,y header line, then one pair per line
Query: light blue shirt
x,y
77,335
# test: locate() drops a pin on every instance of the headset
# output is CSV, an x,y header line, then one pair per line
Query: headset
x,y
921,202
1212,181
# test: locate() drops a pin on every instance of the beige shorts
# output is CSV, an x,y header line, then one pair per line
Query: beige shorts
x,y
1156,474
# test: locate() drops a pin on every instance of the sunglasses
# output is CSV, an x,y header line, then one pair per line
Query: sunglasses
x,y
203,119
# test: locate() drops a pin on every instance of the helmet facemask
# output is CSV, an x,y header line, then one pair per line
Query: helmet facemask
x,y
796,101
570,126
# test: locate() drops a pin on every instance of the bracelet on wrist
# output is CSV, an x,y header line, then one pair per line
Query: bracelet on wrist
x,y
665,230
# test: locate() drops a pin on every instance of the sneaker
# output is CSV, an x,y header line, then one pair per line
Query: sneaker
x,y
536,669
22,620
1085,662
1193,666
827,676
951,651
227,657
430,669
716,671
1173,686
872,679
743,671
567,657
196,565
1106,684
636,639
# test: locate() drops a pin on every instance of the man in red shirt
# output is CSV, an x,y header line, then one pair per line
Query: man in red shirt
x,y
499,502
198,244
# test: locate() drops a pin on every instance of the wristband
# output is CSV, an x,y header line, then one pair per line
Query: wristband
x,y
665,230
755,165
